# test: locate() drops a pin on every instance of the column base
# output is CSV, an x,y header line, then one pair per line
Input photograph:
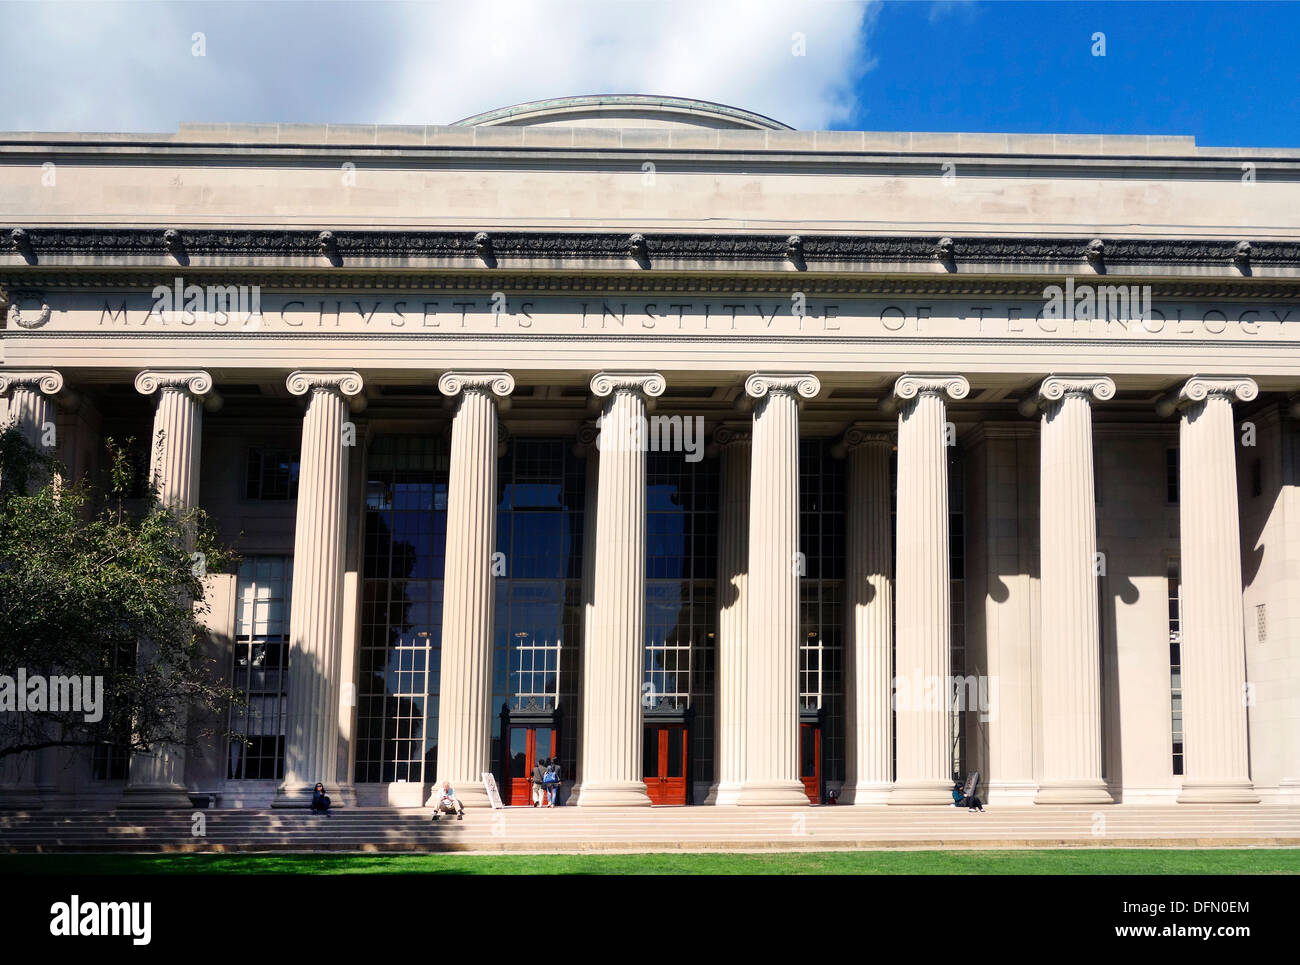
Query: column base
x,y
724,794
921,792
471,794
155,796
866,792
631,794
299,795
773,794
13,798
1218,792
1073,792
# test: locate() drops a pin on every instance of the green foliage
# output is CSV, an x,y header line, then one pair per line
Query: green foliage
x,y
89,587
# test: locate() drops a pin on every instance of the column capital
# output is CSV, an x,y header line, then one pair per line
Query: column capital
x,y
1198,388
343,381
649,384
464,380
910,386
793,383
46,381
733,433
194,381
1054,388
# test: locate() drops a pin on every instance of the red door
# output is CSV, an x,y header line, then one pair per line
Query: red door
x,y
810,761
664,769
527,744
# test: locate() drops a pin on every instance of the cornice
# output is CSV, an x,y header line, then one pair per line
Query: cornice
x,y
221,249
608,285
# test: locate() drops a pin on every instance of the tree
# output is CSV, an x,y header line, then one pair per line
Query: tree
x,y
86,585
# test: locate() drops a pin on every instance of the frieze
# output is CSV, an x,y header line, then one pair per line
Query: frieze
x,y
224,311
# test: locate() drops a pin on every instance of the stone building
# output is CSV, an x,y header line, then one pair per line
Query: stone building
x,y
728,463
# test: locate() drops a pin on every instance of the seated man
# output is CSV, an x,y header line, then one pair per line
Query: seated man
x,y
448,802
320,802
961,799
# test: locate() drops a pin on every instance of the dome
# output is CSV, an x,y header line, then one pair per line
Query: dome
x,y
625,110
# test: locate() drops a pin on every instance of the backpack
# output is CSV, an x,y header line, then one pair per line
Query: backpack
x,y
551,777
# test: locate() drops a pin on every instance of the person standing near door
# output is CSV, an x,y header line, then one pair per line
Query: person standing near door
x,y
552,782
539,782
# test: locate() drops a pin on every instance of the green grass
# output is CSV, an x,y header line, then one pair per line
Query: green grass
x,y
1046,862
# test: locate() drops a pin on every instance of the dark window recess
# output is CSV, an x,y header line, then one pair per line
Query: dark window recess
x,y
1171,475
272,474
1257,478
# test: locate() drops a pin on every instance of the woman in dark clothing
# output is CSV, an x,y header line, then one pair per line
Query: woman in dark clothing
x,y
959,799
320,802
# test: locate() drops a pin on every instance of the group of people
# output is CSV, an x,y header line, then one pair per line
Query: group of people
x,y
546,782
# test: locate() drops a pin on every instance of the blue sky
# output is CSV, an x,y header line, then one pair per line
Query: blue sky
x,y
1228,73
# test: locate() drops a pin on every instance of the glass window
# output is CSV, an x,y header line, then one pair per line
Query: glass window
x,y
822,482
538,596
272,473
681,596
400,649
260,668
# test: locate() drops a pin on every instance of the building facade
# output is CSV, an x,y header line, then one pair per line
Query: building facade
x,y
730,464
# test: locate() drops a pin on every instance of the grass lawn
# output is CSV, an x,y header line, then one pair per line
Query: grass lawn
x,y
1114,861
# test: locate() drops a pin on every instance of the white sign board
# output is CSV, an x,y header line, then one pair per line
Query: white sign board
x,y
493,794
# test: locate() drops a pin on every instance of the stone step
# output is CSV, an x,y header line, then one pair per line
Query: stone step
x,y
655,829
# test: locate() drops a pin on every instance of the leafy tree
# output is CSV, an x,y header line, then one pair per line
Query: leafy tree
x,y
91,588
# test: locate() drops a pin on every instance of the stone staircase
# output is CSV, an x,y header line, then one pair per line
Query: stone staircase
x,y
574,829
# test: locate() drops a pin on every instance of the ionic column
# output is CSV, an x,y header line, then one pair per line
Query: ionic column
x,y
30,402
157,777
772,647
316,597
1070,667
923,593
1216,758
612,661
464,709
869,622
31,410
734,444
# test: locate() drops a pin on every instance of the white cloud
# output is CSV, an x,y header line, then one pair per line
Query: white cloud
x,y
739,52
129,67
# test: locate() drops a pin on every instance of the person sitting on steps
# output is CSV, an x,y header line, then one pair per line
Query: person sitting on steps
x,y
320,802
448,802
959,798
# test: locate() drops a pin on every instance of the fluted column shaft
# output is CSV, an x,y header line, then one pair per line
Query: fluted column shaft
x,y
923,592
157,777
1070,668
733,613
1215,752
30,410
612,661
464,708
870,620
316,601
772,648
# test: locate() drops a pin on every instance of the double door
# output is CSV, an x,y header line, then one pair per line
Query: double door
x,y
528,742
665,762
